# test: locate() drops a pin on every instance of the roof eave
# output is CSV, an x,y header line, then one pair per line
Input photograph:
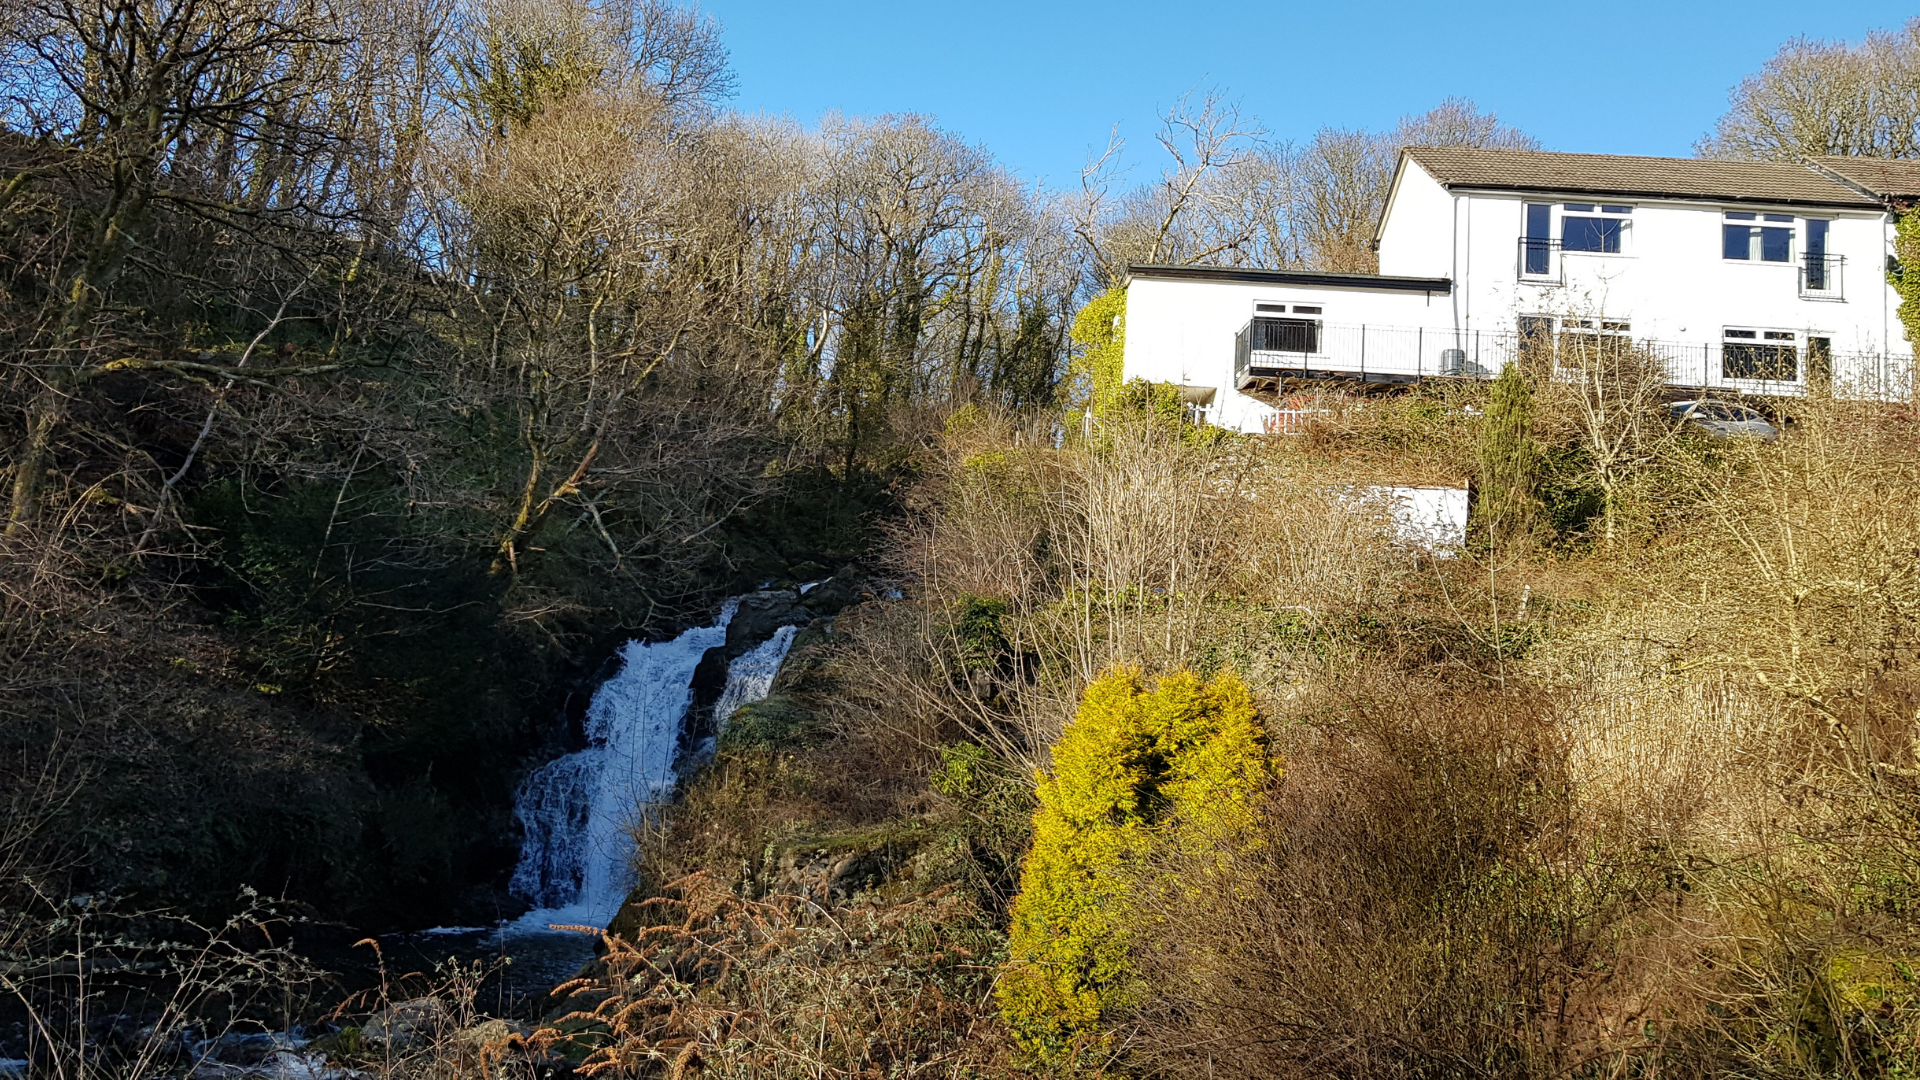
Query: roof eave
x,y
1882,198
1304,278
1650,193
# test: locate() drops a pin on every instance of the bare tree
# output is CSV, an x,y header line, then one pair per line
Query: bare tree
x,y
1230,197
1343,178
1217,199
1826,97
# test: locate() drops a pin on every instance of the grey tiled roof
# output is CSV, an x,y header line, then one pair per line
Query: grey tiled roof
x,y
1636,177
1881,176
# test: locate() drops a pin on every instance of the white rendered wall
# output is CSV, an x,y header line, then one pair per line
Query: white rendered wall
x,y
1671,283
1183,331
1416,236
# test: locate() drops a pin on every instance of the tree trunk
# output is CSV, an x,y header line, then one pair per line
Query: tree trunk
x,y
30,465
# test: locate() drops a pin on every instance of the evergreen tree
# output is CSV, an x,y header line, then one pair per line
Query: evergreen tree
x,y
1178,764
1509,459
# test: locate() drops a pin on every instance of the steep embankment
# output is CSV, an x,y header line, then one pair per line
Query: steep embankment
x,y
330,708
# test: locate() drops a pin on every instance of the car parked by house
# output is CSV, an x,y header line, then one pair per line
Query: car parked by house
x,y
1723,420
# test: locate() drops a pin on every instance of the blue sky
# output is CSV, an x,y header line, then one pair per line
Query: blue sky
x,y
1041,84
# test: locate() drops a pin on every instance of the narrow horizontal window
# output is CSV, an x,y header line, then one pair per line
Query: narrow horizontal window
x,y
1616,209
1733,215
1779,335
1743,333
1269,307
1303,309
1579,207
1777,217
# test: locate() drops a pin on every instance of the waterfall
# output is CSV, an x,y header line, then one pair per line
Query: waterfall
x,y
749,678
579,811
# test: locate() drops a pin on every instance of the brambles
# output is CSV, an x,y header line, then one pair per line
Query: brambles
x,y
731,987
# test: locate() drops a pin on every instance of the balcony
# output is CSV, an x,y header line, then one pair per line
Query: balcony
x,y
1820,277
1539,262
1267,351
1271,353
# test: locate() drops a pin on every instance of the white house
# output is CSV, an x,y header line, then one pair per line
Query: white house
x,y
1742,276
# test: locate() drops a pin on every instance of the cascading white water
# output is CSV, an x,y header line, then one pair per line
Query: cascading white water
x,y
579,811
749,678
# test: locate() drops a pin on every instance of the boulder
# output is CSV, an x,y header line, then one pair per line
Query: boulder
x,y
838,866
808,571
842,590
407,1024
775,722
762,613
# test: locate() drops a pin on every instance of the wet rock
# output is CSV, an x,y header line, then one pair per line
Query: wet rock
x,y
278,1065
842,590
246,1047
760,614
408,1024
808,571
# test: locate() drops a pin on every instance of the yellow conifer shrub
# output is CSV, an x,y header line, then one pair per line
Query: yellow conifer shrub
x,y
1180,763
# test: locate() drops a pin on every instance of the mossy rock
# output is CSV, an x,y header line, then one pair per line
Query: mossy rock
x,y
643,909
839,865
775,722
345,1044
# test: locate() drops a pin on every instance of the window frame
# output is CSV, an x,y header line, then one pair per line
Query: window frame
x,y
1619,215
1758,223
1765,346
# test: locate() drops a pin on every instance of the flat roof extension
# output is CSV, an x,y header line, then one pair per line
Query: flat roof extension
x,y
1308,278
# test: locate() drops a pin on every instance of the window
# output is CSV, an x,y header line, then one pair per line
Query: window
x,y
1584,340
1590,227
1758,237
1303,309
1536,250
1264,309
1772,355
1286,335
1821,273
1820,362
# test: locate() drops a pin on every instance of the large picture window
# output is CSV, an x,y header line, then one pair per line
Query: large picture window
x,y
1593,227
1768,355
1757,237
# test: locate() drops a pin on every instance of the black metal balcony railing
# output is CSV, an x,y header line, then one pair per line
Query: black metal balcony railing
x,y
1266,357
1539,260
1820,277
